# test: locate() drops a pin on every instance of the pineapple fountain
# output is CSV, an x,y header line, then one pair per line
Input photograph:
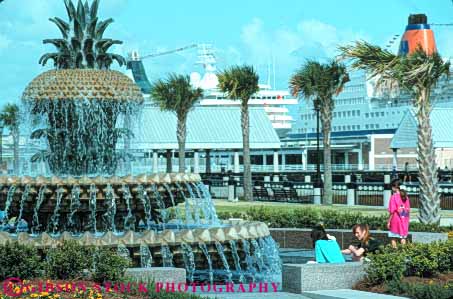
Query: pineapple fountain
x,y
81,110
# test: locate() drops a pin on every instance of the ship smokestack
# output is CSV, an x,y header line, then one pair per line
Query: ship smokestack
x,y
418,34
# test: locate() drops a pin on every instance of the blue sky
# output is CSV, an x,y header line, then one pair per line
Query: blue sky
x,y
242,31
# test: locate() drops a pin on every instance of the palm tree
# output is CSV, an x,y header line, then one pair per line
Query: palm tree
x,y
175,94
240,83
417,73
320,82
10,119
82,44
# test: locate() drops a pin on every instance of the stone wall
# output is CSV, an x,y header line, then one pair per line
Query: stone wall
x,y
300,237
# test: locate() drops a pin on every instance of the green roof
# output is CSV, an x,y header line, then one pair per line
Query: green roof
x,y
441,122
207,128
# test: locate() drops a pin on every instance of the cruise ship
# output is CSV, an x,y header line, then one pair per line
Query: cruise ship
x,y
360,108
273,101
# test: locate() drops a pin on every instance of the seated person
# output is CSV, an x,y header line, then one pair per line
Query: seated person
x,y
326,248
363,245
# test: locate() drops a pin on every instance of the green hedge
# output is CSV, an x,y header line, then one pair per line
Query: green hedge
x,y
108,265
19,261
67,261
422,260
307,217
420,290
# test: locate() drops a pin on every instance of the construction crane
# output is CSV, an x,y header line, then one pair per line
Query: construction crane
x,y
135,64
170,51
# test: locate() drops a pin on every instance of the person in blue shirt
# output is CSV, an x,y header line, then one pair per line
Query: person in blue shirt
x,y
326,248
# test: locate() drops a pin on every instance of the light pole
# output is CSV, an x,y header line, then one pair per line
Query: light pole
x,y
318,181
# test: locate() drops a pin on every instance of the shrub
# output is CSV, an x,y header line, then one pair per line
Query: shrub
x,y
67,260
388,265
108,265
425,260
18,260
420,290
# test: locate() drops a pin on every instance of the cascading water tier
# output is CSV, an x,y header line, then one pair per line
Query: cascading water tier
x,y
142,217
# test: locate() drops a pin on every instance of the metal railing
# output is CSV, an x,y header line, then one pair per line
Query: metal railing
x,y
370,194
340,194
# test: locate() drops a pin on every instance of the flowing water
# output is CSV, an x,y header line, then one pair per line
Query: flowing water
x,y
9,200
221,253
144,198
109,215
129,220
74,205
237,260
195,200
167,256
36,226
23,199
205,251
55,216
189,260
146,259
92,207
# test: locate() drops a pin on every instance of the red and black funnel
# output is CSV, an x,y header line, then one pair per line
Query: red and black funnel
x,y
418,34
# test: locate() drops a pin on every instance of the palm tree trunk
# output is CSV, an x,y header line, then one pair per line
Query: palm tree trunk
x,y
248,194
429,196
168,160
181,135
326,117
15,134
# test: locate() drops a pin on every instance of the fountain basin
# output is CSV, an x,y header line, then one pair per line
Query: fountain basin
x,y
227,232
235,251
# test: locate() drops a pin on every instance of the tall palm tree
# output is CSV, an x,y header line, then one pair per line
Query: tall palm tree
x,y
9,116
320,82
82,44
240,83
417,73
175,94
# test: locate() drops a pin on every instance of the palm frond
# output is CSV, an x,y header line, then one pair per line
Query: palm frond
x,y
239,82
315,81
409,72
175,94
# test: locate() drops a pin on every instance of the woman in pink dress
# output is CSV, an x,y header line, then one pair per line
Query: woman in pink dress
x,y
399,209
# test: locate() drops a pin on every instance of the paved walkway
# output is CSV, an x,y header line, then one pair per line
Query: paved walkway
x,y
279,295
332,294
347,294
